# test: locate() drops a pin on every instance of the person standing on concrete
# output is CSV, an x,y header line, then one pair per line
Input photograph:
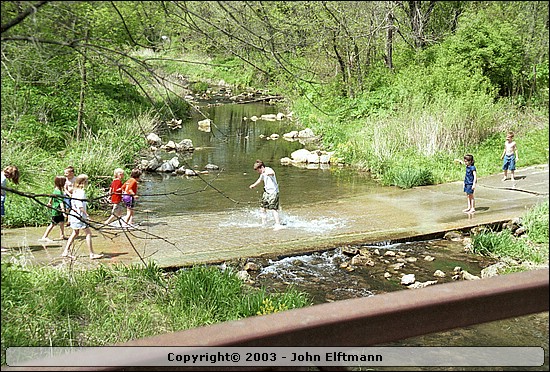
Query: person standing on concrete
x,y
129,196
57,206
79,219
510,156
115,192
11,172
270,196
470,182
68,190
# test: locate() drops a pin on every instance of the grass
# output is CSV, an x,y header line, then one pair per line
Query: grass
x,y
530,248
536,223
45,306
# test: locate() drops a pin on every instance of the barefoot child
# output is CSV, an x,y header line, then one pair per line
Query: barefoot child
x,y
57,207
115,191
470,182
510,156
78,217
11,172
129,195
270,197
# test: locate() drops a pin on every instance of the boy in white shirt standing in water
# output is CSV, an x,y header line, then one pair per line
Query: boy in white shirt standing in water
x,y
510,156
270,197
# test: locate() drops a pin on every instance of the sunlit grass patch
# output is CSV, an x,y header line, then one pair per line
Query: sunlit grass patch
x,y
45,306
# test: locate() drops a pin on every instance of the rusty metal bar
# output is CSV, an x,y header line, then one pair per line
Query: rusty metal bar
x,y
374,320
378,319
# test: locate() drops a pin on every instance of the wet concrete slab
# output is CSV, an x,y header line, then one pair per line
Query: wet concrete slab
x,y
200,238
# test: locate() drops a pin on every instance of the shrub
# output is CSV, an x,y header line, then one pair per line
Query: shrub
x,y
199,87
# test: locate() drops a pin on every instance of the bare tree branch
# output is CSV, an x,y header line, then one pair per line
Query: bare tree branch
x,y
21,16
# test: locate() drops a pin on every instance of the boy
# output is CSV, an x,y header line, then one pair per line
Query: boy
x,y
270,197
510,156
115,192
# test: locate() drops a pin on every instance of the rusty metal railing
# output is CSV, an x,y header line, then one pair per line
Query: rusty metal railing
x,y
372,320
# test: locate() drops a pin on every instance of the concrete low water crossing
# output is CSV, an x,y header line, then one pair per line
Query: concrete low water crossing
x,y
207,238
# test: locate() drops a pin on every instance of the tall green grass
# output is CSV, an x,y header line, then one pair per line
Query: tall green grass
x,y
536,223
45,306
504,244
533,247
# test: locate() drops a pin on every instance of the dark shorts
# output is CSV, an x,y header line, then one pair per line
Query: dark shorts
x,y
129,201
270,201
58,219
2,210
468,189
509,162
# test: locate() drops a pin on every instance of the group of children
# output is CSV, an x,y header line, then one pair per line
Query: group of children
x,y
509,157
69,202
69,198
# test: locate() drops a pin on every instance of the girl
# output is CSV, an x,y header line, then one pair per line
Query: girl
x,y
470,181
11,172
78,217
129,195
69,183
116,196
57,206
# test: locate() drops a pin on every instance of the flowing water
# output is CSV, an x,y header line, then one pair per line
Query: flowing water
x,y
323,276
234,143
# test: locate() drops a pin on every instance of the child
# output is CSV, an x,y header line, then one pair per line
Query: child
x,y
57,207
78,217
129,195
68,189
470,181
510,156
270,197
11,172
115,191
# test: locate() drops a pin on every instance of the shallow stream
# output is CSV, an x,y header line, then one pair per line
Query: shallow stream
x,y
326,277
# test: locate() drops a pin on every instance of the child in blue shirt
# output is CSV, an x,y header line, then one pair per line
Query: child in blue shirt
x,y
470,182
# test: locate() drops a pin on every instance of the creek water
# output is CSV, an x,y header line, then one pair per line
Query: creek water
x,y
234,143
324,277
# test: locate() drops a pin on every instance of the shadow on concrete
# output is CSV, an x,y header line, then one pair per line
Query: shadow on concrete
x,y
114,254
482,209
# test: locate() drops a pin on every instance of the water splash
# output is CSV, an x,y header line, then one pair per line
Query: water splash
x,y
251,218
316,225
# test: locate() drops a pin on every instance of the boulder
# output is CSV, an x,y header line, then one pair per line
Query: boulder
x,y
300,156
153,139
204,125
408,279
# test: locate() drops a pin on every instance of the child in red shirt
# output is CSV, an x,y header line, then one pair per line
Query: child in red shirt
x,y
115,192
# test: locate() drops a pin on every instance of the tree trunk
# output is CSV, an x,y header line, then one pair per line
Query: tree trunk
x,y
419,20
389,37
83,83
